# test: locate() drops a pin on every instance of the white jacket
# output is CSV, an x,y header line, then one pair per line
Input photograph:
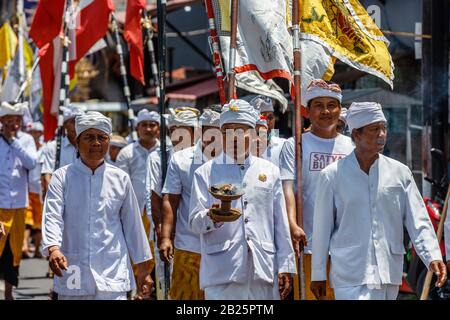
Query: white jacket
x,y
359,219
95,219
262,231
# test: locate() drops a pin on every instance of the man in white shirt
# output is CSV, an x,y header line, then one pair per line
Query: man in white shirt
x,y
35,189
274,142
251,257
92,227
321,146
178,242
117,143
181,123
17,157
68,145
132,158
361,224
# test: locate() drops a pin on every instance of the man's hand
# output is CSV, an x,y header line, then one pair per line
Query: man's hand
x,y
439,269
284,284
319,288
214,206
2,230
299,240
166,250
57,261
144,281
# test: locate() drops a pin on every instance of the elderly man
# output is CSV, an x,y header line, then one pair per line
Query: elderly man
x,y
68,146
321,146
92,223
185,284
251,257
274,142
17,157
361,225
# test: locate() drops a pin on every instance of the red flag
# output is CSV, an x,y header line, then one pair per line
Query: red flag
x,y
90,25
133,35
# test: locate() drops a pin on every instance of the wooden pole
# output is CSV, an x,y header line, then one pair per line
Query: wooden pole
x,y
214,42
440,232
298,132
233,47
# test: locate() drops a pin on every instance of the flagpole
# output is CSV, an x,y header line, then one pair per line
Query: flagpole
x,y
161,9
64,99
25,83
147,24
20,40
233,46
123,74
214,43
298,132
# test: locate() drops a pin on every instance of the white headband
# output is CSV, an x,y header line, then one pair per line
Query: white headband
x,y
145,115
92,120
239,111
210,118
7,109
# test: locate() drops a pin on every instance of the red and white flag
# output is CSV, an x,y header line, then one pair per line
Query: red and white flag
x,y
133,35
87,26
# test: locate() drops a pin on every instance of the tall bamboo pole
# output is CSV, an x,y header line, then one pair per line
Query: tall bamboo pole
x,y
64,99
298,131
161,8
214,42
123,74
233,48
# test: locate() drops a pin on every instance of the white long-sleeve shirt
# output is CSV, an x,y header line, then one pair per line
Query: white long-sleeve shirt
x,y
68,155
261,233
34,175
16,159
95,219
180,173
273,151
359,220
133,160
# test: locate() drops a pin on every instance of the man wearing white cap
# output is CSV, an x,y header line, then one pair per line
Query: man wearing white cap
x,y
132,158
361,225
17,156
116,144
342,122
321,146
181,123
68,145
34,214
274,142
91,236
185,248
251,257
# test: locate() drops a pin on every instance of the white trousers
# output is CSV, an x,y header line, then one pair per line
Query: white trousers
x,y
365,292
100,295
250,290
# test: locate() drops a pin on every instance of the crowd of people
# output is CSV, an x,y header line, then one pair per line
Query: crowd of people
x,y
111,219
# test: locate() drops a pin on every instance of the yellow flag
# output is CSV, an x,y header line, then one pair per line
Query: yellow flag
x,y
8,43
346,29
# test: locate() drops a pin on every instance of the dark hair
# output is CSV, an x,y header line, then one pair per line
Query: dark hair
x,y
360,130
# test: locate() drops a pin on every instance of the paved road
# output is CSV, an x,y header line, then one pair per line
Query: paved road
x,y
33,285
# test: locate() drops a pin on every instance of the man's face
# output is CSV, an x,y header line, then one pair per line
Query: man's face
x,y
371,138
236,140
69,127
93,145
324,112
114,152
148,130
36,135
11,123
270,119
